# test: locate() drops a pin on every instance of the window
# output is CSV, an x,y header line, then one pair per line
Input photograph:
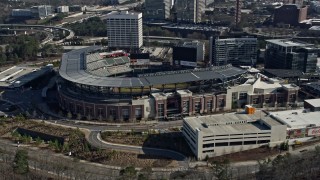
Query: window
x,y
221,102
292,97
125,114
221,144
197,107
255,101
234,96
263,141
235,143
280,99
138,113
112,113
249,142
209,106
243,95
160,110
208,145
185,107
208,151
267,100
100,112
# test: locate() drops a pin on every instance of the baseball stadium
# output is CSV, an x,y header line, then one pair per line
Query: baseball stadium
x,y
101,85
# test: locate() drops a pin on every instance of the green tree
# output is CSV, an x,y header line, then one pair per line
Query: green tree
x,y
129,172
20,163
221,169
3,58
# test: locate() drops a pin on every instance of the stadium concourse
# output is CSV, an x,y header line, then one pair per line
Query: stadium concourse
x,y
95,84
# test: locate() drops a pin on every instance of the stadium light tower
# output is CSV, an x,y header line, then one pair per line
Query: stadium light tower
x,y
237,16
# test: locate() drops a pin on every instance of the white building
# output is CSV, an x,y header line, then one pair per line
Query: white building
x,y
124,29
62,9
301,124
42,11
216,135
261,91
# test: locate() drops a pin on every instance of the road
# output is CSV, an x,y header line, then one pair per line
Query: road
x,y
95,140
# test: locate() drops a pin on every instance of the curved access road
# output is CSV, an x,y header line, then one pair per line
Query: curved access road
x,y
95,140
43,27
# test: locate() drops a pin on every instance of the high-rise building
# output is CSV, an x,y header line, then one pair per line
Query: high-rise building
x,y
124,29
235,51
157,9
291,54
188,53
189,10
298,2
237,15
290,14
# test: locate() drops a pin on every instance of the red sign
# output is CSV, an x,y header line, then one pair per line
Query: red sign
x,y
314,132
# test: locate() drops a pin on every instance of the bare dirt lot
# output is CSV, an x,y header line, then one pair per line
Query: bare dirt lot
x,y
248,155
170,140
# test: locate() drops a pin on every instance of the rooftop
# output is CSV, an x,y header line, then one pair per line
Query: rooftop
x,y
313,102
284,73
296,119
288,43
232,123
73,69
313,85
17,76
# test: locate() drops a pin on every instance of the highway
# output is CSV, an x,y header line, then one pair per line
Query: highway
x,y
44,27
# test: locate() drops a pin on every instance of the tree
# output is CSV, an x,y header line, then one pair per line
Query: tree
x,y
129,172
20,163
221,169
69,115
3,58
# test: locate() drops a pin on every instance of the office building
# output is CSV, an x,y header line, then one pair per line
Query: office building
x,y
124,29
189,10
157,9
312,89
188,53
215,135
77,8
235,51
290,14
62,9
21,13
42,11
262,92
291,54
315,6
298,2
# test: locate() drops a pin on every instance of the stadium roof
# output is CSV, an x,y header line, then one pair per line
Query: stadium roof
x,y
284,73
72,68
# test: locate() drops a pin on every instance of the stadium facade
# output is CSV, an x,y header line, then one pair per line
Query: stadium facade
x,y
98,85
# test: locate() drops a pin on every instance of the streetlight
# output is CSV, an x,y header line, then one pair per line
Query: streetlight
x,y
100,139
